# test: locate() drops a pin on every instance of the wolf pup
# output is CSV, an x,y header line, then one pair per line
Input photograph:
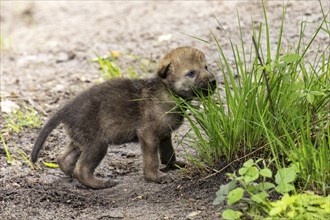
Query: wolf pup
x,y
129,110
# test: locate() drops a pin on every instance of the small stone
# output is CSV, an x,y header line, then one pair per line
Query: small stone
x,y
191,215
130,154
8,106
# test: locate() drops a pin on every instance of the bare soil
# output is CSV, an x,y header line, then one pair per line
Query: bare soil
x,y
47,48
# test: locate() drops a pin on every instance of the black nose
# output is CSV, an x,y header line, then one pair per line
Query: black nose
x,y
213,84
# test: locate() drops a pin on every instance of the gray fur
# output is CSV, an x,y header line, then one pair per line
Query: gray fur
x,y
124,110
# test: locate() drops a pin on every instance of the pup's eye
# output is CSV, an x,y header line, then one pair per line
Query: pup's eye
x,y
205,67
191,74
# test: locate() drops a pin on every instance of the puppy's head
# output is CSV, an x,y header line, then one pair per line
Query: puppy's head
x,y
184,71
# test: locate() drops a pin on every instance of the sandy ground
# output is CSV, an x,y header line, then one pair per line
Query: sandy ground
x,y
47,48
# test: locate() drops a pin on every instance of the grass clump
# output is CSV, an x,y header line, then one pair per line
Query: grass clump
x,y
276,107
110,68
15,122
19,119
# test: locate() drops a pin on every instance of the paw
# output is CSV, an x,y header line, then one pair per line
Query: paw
x,y
97,183
160,177
68,170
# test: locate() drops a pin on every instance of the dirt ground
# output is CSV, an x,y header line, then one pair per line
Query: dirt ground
x,y
47,48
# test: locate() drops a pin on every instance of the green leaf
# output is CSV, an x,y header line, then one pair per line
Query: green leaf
x,y
251,175
230,214
251,188
218,199
260,197
235,195
51,165
301,95
248,163
275,211
284,187
268,68
266,172
242,171
265,186
290,58
317,93
281,205
286,175
223,192
310,98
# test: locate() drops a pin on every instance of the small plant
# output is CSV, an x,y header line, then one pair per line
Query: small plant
x,y
253,186
19,119
15,121
301,206
132,73
111,70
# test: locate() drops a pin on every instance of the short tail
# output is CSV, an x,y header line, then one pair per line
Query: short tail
x,y
50,125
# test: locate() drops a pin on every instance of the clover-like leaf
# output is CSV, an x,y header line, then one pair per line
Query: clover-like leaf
x,y
248,163
251,175
242,171
235,195
230,214
266,172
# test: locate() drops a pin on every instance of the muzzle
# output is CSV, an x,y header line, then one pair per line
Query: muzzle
x,y
206,88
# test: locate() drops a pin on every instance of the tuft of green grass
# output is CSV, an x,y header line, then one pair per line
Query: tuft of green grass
x,y
275,106
111,70
18,119
15,121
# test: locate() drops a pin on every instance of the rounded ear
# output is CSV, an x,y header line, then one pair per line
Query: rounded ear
x,y
164,70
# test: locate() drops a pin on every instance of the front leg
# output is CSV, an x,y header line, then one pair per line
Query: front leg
x,y
167,154
150,147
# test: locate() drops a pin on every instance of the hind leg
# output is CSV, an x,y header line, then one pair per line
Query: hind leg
x,y
89,159
167,154
68,158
